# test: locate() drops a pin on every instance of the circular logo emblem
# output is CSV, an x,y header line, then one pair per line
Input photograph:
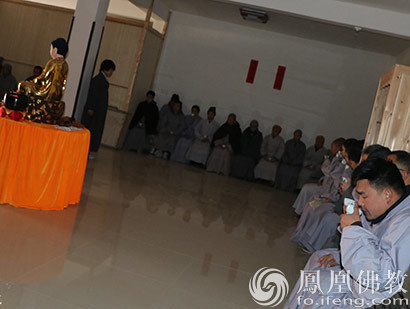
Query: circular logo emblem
x,y
268,287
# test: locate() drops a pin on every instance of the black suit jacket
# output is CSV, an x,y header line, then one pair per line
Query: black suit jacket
x,y
97,101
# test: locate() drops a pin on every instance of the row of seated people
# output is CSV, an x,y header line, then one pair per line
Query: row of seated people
x,y
225,149
377,240
7,80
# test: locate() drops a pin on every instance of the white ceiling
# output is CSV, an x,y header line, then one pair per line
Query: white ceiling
x,y
402,6
123,8
116,7
296,26
279,22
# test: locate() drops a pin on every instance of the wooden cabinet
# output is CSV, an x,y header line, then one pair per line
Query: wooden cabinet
x,y
390,120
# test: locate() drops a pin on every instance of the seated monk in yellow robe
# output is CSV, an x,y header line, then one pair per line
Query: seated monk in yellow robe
x,y
50,85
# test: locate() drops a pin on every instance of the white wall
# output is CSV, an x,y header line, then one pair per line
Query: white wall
x,y
404,57
328,89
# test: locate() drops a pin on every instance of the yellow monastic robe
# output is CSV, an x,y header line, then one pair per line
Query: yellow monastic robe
x,y
50,85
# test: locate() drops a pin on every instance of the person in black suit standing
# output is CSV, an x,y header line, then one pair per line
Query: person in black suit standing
x,y
95,109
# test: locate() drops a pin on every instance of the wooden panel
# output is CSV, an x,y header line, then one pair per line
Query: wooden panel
x,y
26,35
398,132
119,43
21,70
389,106
387,77
146,69
113,126
377,115
118,96
28,29
390,120
145,76
42,5
31,28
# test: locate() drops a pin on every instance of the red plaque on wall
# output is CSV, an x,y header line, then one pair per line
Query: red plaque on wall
x,y
280,75
252,71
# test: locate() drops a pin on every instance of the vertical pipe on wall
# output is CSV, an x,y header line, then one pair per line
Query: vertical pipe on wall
x,y
164,30
135,71
139,52
164,33
71,28
83,68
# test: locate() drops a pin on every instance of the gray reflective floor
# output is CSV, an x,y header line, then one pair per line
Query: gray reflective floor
x,y
147,234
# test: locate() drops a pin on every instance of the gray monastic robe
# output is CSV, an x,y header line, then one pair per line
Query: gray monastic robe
x,y
220,159
310,191
380,249
204,132
226,141
313,230
136,139
169,122
273,148
331,184
290,165
311,166
186,140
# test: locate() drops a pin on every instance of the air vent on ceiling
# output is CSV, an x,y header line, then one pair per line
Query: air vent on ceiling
x,y
254,15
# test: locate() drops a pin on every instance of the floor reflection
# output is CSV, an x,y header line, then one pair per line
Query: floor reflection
x,y
148,233
31,238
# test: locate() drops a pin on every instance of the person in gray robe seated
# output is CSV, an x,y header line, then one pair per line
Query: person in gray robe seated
x,y
7,80
329,166
330,185
331,188
204,132
167,108
243,163
374,250
318,224
401,159
375,151
187,136
314,157
291,163
143,126
170,126
227,140
272,150
320,229
326,230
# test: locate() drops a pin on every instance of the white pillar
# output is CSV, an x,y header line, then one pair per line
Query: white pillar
x,y
84,42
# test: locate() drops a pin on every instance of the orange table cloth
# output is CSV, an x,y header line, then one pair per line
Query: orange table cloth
x,y
41,167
